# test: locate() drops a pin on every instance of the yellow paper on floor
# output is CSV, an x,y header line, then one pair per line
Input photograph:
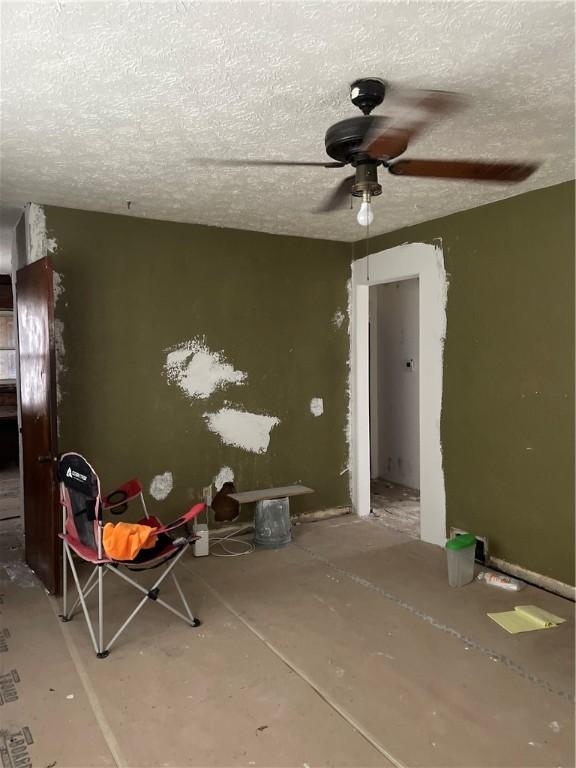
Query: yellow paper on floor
x,y
526,618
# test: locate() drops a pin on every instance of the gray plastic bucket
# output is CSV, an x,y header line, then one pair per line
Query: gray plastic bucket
x,y
272,526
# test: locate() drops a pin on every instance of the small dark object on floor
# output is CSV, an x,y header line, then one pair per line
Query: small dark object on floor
x,y
262,728
225,508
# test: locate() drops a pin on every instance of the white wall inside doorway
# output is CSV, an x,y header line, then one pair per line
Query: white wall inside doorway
x,y
394,375
425,262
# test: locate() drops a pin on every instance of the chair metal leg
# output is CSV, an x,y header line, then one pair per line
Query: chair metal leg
x,y
93,586
128,620
86,590
152,594
194,621
81,596
96,580
101,653
64,583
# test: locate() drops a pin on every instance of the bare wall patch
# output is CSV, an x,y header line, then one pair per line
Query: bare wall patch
x,y
198,371
348,426
242,429
317,406
161,486
59,348
339,318
226,475
40,244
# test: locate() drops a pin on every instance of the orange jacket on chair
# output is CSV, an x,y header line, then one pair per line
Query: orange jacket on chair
x,y
123,541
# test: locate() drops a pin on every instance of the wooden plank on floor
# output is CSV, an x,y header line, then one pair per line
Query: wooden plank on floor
x,y
266,494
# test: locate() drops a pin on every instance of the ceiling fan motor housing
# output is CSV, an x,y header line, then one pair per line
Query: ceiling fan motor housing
x,y
344,139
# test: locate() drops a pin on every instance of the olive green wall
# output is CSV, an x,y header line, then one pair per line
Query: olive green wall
x,y
508,400
135,287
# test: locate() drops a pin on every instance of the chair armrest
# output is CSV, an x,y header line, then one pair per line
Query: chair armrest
x,y
123,494
186,517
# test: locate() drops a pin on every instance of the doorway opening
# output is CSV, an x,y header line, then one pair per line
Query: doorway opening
x,y
30,515
11,524
424,261
394,405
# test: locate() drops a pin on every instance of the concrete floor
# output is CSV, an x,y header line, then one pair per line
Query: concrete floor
x,y
9,492
346,648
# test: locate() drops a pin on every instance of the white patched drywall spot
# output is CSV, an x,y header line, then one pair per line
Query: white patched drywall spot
x,y
60,353
317,406
161,486
57,286
348,426
40,244
249,431
226,475
339,318
59,349
198,371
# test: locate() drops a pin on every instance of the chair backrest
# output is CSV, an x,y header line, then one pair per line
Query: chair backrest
x,y
80,498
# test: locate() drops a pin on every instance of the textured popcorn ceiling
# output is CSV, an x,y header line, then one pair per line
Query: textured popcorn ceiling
x,y
105,103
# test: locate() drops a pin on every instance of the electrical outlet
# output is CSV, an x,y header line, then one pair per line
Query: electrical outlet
x,y
207,495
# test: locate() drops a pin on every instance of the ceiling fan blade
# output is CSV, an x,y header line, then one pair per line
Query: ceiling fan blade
x,y
338,196
415,118
245,163
387,145
470,170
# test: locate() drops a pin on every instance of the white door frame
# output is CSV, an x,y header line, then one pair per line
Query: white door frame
x,y
426,262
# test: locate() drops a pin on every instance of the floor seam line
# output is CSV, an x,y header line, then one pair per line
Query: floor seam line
x,y
92,696
352,722
429,619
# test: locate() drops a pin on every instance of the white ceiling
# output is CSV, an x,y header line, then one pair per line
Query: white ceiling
x,y
107,102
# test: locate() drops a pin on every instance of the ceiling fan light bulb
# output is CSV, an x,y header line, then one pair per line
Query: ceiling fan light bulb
x,y
365,215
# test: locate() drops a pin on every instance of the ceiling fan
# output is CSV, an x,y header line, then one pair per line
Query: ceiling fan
x,y
368,141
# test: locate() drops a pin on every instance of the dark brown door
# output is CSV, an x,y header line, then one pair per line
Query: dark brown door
x,y
35,308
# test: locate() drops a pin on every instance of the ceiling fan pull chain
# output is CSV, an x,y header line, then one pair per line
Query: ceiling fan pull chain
x,y
368,254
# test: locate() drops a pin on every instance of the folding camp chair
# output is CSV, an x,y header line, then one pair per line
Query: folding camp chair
x,y
82,528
